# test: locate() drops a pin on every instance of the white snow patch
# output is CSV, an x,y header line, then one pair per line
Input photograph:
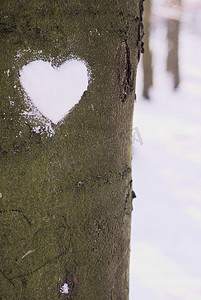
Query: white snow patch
x,y
7,72
36,117
20,53
64,289
54,91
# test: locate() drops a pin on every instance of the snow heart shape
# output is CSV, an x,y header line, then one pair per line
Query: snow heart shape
x,y
54,91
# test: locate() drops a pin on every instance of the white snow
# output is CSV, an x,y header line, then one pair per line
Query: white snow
x,y
54,91
64,289
166,221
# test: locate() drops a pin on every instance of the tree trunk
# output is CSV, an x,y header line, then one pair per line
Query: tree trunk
x,y
66,194
173,27
147,56
173,50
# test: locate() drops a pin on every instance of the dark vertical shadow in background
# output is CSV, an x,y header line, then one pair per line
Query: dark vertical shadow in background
x,y
173,48
147,56
172,65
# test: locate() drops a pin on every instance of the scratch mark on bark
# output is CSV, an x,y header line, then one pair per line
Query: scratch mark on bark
x,y
16,210
10,280
42,266
126,74
28,253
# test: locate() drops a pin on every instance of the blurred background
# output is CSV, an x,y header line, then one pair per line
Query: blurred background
x,y
166,220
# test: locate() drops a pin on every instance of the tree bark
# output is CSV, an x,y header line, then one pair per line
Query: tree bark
x,y
66,198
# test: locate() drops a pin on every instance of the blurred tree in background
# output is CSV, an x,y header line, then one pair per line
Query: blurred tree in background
x,y
147,56
172,22
173,47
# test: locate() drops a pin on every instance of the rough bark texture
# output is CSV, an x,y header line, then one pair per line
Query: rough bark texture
x,y
66,199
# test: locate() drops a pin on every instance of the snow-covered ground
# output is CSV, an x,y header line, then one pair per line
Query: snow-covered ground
x,y
166,221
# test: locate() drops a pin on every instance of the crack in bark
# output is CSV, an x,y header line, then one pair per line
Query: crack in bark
x,y
8,279
126,74
42,266
141,31
19,211
129,197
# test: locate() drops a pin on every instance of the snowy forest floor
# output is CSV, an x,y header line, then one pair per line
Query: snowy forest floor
x,y
166,220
